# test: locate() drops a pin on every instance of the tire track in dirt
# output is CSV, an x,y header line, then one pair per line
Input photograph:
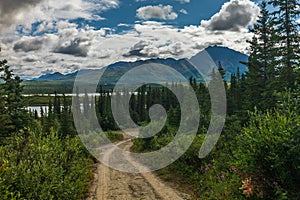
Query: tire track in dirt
x,y
116,185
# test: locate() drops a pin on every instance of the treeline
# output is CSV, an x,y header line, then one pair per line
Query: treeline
x,y
40,157
48,87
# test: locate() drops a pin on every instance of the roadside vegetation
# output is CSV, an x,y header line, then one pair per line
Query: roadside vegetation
x,y
257,155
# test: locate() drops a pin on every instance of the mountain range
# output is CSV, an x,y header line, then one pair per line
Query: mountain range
x,y
228,58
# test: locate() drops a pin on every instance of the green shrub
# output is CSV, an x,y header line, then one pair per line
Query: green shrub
x,y
269,152
219,183
114,136
92,139
43,167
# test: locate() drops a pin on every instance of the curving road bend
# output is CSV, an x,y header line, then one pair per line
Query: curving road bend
x,y
112,184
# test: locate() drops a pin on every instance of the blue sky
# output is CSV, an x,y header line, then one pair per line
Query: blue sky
x,y
42,36
197,10
189,13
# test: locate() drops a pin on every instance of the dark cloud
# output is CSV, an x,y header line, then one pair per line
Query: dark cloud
x,y
234,16
47,71
147,50
202,46
139,50
29,45
77,47
28,59
104,56
9,10
175,50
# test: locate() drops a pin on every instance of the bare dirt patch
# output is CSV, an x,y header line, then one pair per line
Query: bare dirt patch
x,y
112,184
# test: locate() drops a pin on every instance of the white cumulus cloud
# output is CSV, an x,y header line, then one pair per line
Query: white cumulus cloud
x,y
233,16
27,12
157,12
183,1
183,11
70,46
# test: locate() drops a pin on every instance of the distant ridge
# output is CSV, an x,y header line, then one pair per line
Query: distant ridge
x,y
50,77
229,59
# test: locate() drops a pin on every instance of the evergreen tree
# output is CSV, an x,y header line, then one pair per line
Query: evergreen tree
x,y
221,70
261,63
100,104
49,121
133,111
214,83
13,115
231,95
149,101
42,115
66,125
86,104
287,38
36,116
142,103
56,105
174,116
76,103
5,120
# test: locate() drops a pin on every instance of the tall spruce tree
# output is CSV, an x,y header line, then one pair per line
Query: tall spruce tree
x,y
65,121
287,38
142,103
221,70
13,115
86,104
261,62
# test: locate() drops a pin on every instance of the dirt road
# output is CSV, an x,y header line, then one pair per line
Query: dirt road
x,y
112,184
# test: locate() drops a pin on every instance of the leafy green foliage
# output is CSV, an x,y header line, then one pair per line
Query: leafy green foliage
x,y
43,167
272,156
114,136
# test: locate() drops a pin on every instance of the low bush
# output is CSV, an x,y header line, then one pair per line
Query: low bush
x,y
269,152
35,166
114,136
